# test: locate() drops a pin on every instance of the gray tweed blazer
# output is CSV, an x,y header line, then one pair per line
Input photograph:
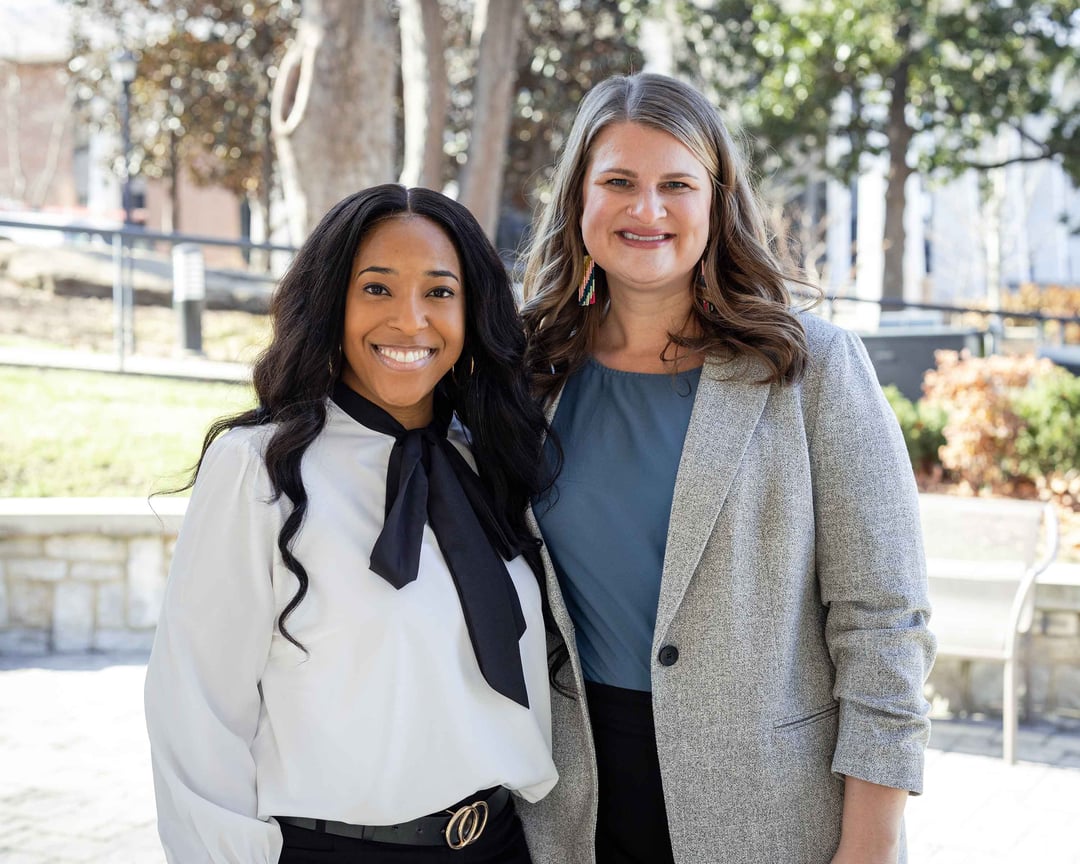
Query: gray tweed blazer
x,y
794,589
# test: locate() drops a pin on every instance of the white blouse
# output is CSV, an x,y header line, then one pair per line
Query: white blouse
x,y
386,719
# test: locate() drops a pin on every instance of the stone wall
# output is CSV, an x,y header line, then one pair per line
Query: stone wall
x,y
1049,661
83,574
89,574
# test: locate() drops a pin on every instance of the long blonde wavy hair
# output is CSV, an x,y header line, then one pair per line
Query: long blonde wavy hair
x,y
744,279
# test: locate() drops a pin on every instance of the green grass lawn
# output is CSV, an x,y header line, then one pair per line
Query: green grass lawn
x,y
91,434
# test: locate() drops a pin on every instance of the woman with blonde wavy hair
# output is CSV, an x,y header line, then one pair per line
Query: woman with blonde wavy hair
x,y
738,572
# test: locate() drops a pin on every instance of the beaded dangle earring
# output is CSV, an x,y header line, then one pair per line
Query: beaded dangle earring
x,y
586,295
707,307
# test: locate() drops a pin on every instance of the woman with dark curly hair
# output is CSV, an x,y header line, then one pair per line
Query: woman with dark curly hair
x,y
735,528
351,659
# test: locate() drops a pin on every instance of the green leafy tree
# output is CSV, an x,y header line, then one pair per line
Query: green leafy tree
x,y
927,82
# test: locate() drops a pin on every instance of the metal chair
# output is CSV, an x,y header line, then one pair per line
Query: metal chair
x,y
982,561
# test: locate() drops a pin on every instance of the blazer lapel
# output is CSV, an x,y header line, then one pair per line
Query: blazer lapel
x,y
727,408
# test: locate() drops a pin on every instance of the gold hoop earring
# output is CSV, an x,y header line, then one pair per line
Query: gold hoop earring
x,y
472,370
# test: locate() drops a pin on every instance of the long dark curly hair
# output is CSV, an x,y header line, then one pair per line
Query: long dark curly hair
x,y
296,373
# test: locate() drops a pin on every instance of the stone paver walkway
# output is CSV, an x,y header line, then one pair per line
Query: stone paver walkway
x,y
75,779
978,810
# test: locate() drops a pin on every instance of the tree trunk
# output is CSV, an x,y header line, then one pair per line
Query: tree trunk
x,y
333,107
993,209
425,93
16,185
259,261
39,191
496,68
900,135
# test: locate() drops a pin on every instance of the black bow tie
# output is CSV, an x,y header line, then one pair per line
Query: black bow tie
x,y
428,480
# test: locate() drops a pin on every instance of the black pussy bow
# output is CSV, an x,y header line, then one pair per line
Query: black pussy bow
x,y
428,480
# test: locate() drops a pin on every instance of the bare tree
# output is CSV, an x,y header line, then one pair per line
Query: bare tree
x,y
498,25
425,94
332,109
31,174
16,184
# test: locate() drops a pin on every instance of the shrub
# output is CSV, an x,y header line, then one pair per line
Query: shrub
x,y
923,427
982,427
1047,445
1050,300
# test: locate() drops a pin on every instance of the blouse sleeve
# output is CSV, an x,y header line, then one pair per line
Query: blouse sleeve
x,y
202,682
871,571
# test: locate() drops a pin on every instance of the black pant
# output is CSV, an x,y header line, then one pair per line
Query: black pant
x,y
631,823
503,842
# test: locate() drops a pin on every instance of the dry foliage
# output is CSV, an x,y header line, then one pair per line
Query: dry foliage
x,y
977,394
1050,300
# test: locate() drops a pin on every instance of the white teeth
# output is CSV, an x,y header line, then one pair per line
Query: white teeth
x,y
651,238
410,356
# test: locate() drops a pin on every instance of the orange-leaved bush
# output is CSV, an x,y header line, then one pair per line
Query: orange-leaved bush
x,y
1050,300
978,394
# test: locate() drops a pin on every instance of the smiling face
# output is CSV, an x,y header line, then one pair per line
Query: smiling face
x,y
404,317
646,205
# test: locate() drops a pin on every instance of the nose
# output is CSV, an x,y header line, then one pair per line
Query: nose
x,y
646,206
409,315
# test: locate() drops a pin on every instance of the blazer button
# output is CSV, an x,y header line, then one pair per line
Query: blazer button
x,y
668,655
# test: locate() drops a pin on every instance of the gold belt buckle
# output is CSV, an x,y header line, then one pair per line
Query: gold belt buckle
x,y
466,824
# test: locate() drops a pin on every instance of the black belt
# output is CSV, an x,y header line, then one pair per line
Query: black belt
x,y
458,828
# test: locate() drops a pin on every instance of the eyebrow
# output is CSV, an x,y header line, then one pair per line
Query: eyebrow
x,y
390,271
626,172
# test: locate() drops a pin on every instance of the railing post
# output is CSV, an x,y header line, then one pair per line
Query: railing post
x,y
994,336
129,296
119,319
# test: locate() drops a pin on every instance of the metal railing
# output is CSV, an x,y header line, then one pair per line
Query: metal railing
x,y
996,317
124,241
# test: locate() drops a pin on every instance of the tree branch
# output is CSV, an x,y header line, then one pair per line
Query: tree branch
x,y
987,166
1045,152
1027,136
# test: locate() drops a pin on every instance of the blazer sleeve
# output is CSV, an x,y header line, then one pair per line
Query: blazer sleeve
x,y
202,683
871,571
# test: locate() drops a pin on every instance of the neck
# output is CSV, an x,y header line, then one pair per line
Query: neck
x,y
634,332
